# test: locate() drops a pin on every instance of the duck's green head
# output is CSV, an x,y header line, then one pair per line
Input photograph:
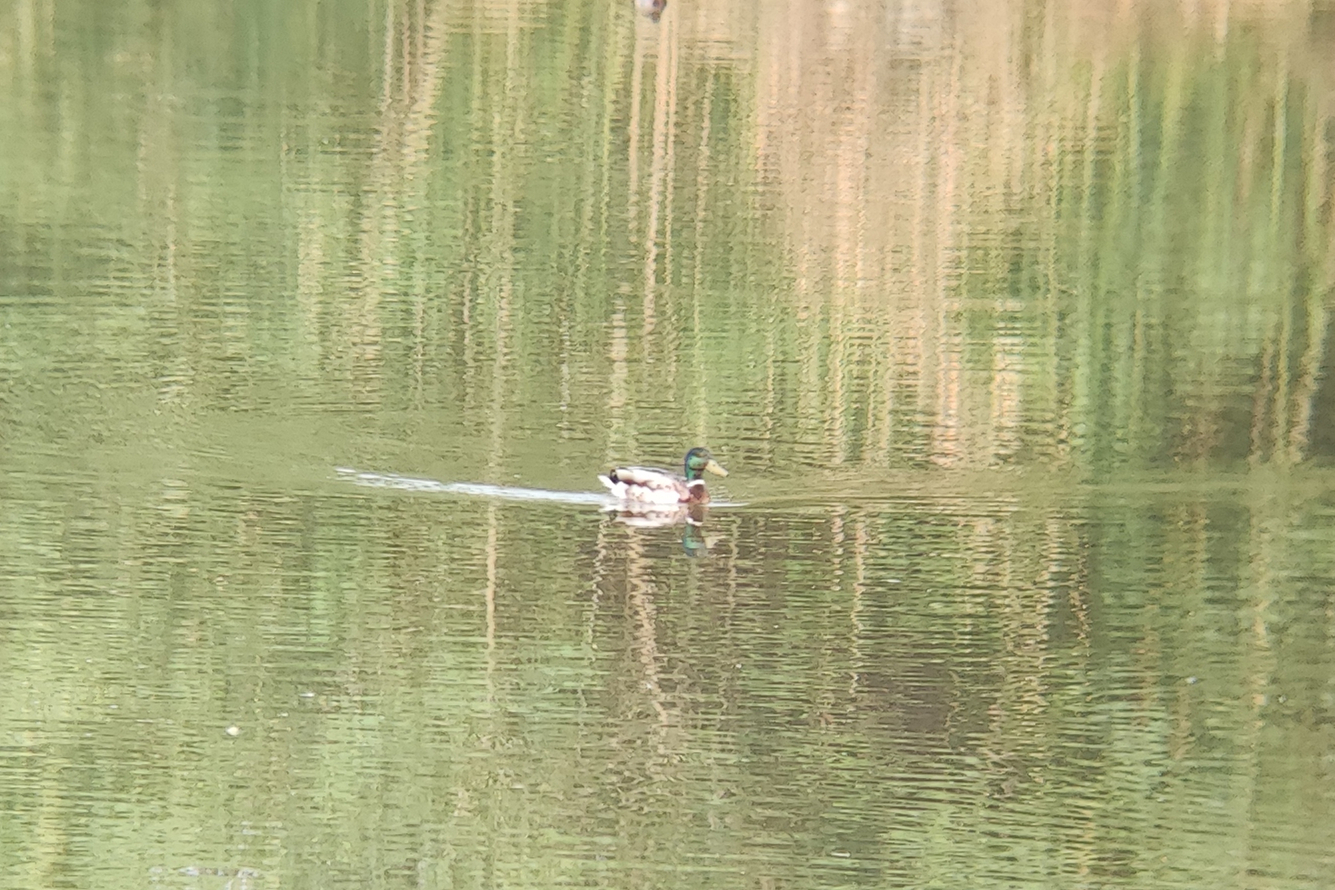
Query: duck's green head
x,y
698,460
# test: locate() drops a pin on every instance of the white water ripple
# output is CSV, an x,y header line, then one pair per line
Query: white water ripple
x,y
477,489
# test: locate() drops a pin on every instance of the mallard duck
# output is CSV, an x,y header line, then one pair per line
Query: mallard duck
x,y
650,485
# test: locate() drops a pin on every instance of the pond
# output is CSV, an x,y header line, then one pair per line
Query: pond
x,y
319,321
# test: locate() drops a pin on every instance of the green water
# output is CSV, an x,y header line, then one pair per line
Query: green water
x,y
1011,329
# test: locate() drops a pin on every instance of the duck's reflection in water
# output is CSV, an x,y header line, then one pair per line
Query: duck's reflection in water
x,y
690,516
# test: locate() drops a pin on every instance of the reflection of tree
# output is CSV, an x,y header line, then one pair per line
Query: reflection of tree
x,y
1118,235
905,239
1058,240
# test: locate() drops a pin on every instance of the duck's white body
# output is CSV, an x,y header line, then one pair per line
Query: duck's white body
x,y
650,485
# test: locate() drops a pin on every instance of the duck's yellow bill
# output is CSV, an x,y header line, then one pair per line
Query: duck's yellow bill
x,y
716,468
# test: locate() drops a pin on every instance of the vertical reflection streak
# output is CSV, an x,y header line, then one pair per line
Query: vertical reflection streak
x,y
661,141
703,177
862,541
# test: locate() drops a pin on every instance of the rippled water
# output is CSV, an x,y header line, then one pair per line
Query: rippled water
x,y
317,326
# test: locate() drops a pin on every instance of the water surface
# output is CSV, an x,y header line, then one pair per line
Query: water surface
x,y
317,325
